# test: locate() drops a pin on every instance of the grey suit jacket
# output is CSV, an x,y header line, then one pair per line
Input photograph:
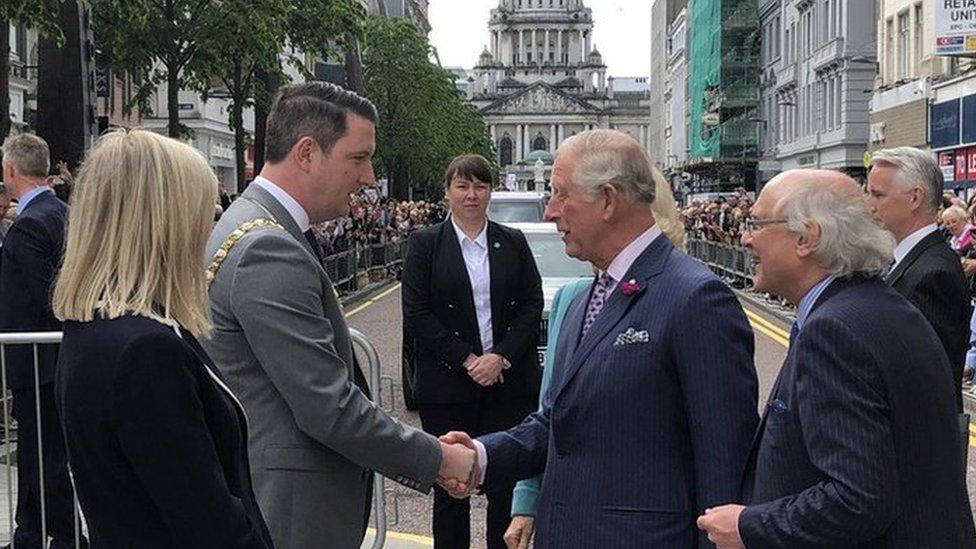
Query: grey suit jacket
x,y
282,345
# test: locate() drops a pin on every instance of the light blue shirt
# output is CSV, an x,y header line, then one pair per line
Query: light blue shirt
x,y
806,304
34,193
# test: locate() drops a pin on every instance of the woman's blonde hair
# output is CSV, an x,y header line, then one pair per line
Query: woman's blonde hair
x,y
141,213
666,211
955,212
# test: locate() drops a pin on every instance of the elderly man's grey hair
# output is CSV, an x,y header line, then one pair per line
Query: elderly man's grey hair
x,y
610,156
850,240
916,168
29,153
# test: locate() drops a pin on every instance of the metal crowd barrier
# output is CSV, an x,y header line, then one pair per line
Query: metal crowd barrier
x,y
36,339
345,267
729,261
373,371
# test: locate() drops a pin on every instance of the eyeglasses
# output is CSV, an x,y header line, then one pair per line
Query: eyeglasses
x,y
751,224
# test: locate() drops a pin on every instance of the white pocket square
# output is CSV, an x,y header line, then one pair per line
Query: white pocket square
x,y
631,337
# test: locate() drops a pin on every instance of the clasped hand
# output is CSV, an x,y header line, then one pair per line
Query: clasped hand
x,y
459,473
486,369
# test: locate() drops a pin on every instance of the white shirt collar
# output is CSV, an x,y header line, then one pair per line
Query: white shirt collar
x,y
480,240
621,264
31,195
906,245
295,209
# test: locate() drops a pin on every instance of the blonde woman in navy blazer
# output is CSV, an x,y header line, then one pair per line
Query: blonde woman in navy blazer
x,y
157,443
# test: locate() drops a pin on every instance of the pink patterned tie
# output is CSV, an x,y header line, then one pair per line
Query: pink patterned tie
x,y
597,299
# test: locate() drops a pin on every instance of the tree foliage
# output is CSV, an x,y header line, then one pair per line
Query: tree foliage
x,y
39,15
158,41
245,39
424,122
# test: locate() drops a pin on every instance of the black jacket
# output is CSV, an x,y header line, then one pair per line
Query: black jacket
x,y
931,277
859,443
158,448
29,259
440,322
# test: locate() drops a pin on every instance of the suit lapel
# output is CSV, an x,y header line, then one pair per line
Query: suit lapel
x,y
451,249
930,240
267,203
648,265
496,270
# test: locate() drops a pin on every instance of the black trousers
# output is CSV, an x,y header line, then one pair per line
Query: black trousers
x,y
452,521
59,498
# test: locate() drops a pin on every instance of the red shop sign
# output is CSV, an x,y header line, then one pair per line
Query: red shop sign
x,y
961,165
972,162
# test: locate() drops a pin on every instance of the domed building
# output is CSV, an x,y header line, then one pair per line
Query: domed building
x,y
541,80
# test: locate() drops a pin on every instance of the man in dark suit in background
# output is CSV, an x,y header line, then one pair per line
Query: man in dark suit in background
x,y
905,193
472,301
29,259
652,404
858,444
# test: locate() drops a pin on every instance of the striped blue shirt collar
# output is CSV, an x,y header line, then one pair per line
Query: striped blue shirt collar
x,y
31,195
806,304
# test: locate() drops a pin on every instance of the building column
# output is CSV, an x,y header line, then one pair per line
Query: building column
x,y
491,129
545,48
521,47
518,143
559,46
552,139
589,44
643,136
582,42
535,48
560,135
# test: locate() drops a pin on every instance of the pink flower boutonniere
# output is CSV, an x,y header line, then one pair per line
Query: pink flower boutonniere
x,y
630,287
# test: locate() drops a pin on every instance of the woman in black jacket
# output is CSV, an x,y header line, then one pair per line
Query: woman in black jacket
x,y
157,443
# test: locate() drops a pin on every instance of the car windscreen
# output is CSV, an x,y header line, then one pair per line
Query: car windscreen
x,y
551,259
511,211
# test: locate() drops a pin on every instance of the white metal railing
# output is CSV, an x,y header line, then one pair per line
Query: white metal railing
x,y
36,339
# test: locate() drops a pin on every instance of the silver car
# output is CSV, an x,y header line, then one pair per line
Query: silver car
x,y
517,207
555,267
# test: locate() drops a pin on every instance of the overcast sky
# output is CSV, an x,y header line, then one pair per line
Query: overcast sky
x,y
622,32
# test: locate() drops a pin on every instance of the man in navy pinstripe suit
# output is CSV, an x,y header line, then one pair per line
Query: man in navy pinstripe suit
x,y
652,404
858,446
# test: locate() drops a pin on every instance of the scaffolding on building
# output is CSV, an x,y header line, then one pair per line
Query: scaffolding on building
x,y
723,91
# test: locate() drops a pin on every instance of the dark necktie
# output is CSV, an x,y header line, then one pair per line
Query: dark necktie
x,y
794,331
314,243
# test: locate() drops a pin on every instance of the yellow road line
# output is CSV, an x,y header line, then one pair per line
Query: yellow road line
x,y
373,300
429,542
768,329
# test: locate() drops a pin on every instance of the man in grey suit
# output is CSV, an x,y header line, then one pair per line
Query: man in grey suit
x,y
281,341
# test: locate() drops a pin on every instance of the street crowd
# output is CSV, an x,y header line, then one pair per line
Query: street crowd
x,y
206,392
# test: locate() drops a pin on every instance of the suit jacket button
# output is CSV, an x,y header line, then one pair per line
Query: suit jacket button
x,y
450,305
457,334
512,303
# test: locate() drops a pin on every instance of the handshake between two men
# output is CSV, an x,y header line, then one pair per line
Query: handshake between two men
x,y
459,474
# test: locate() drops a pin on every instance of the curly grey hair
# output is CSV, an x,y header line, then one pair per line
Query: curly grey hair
x,y
850,240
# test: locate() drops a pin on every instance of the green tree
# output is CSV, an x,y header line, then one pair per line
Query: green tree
x,y
246,37
423,123
40,15
158,40
322,28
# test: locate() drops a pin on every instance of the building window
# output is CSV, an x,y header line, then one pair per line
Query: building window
x,y
505,151
540,144
919,37
890,51
904,69
838,100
